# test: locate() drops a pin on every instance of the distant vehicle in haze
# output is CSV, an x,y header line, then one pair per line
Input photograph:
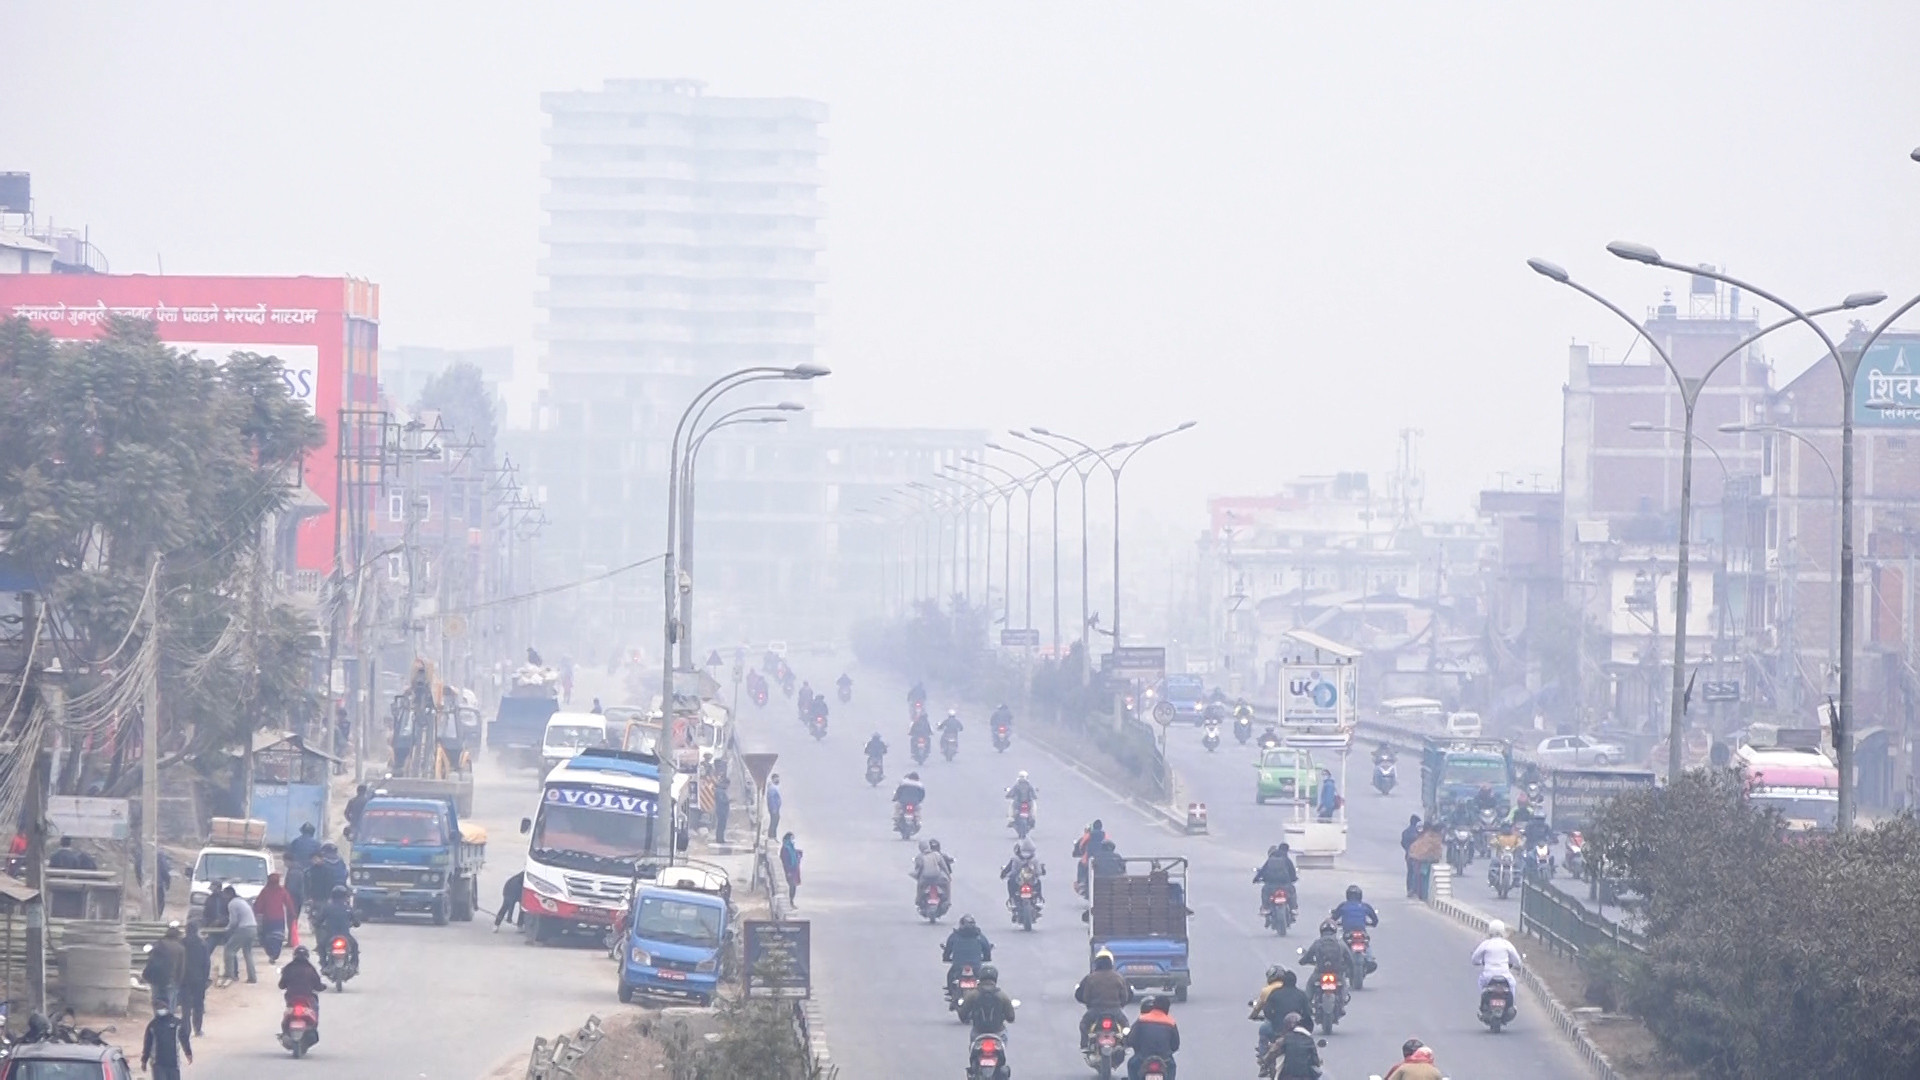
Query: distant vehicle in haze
x,y
1579,750
1463,725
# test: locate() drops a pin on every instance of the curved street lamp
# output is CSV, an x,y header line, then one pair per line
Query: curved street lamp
x,y
986,494
1848,367
743,415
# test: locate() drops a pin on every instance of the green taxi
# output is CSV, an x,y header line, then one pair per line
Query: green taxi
x,y
1286,774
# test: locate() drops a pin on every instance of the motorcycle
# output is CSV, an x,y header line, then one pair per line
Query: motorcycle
x,y
1489,819
1026,901
1023,819
1154,1066
1269,739
1002,738
963,983
1384,777
1502,874
987,1058
1497,1004
1210,737
1459,848
337,964
875,772
1104,1047
300,1025
1243,728
846,693
1279,912
760,695
1539,863
906,821
1576,860
818,726
950,744
1363,965
1327,1009
934,901
919,747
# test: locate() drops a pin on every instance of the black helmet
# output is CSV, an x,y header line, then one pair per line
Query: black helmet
x,y
301,953
989,973
1329,928
1274,973
339,892
967,922
913,776
933,845
1274,850
1353,892
1407,1048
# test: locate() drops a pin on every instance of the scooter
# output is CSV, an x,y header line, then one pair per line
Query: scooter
x,y
875,772
949,745
1210,737
337,964
1576,860
963,983
1384,776
1023,819
818,725
987,1057
1105,1046
846,693
1243,728
907,821
300,1025
1002,738
1497,1004
934,901
919,747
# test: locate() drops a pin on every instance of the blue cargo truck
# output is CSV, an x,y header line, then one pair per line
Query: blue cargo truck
x,y
1140,916
415,856
678,932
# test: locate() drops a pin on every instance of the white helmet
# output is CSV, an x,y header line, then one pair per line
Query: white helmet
x,y
953,712
1497,928
1022,776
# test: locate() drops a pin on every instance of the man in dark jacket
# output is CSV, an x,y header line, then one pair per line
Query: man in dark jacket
x,y
1296,1053
1278,870
356,805
1107,861
194,977
165,964
1414,870
966,945
1281,995
1153,1035
1103,990
326,871
213,910
299,858
165,1041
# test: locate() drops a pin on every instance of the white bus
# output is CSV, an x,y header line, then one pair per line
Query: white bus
x,y
599,816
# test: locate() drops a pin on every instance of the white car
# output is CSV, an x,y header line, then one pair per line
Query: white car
x,y
245,869
1579,750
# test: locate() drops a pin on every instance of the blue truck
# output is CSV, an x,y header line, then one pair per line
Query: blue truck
x,y
1187,694
678,933
517,728
415,856
1140,916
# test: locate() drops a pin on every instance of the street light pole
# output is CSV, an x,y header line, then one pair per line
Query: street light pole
x,y
1086,590
986,494
1690,387
1848,368
1046,471
1006,587
1833,485
743,415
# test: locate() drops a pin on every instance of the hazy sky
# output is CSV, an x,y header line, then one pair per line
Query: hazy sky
x,y
1302,224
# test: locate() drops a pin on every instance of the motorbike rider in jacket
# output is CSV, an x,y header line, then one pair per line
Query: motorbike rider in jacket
x,y
1023,859
1003,718
1102,990
951,726
1416,1063
930,867
1085,848
1154,1034
1330,952
337,919
1278,870
876,749
1355,913
1022,791
966,945
909,792
987,1007
1295,1055
1281,995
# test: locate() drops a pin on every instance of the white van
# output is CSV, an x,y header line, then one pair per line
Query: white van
x,y
1463,725
567,734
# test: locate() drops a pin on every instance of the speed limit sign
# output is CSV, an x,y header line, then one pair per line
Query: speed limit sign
x,y
1163,713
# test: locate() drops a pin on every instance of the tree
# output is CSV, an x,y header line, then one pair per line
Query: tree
x,y
115,451
1770,954
465,404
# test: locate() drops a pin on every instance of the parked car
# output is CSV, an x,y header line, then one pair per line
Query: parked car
x,y
61,1061
1579,750
1463,725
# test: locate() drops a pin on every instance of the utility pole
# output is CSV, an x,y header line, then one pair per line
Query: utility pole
x,y
150,753
36,833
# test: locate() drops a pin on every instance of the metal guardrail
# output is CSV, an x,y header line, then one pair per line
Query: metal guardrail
x,y
551,1061
1565,924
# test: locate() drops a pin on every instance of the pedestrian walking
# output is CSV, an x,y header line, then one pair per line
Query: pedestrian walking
x,y
273,910
1423,854
790,862
510,901
722,805
194,978
242,934
773,806
166,1041
163,875
166,963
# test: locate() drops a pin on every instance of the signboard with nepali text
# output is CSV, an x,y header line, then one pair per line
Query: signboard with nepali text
x,y
779,959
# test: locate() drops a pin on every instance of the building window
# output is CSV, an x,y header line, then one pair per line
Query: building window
x,y
396,507
394,563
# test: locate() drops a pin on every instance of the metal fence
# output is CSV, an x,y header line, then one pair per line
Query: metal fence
x,y
1566,924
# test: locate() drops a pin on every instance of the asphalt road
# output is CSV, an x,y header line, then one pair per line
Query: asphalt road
x,y
877,971
431,1002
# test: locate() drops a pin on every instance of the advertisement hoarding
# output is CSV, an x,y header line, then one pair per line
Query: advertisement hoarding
x,y
1576,794
1886,390
324,331
1318,695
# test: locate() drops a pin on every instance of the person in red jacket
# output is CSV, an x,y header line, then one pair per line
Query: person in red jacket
x,y
277,913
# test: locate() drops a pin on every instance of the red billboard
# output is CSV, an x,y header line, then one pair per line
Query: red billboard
x,y
324,330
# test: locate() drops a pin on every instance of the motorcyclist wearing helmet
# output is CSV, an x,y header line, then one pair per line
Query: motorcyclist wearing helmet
x,y
1084,850
1330,953
1281,995
1496,957
920,728
1416,1063
1003,718
931,867
1022,790
337,919
987,1007
1023,860
1356,914
845,682
917,694
806,699
1278,870
909,792
1102,990
966,945
876,749
1153,1035
950,728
